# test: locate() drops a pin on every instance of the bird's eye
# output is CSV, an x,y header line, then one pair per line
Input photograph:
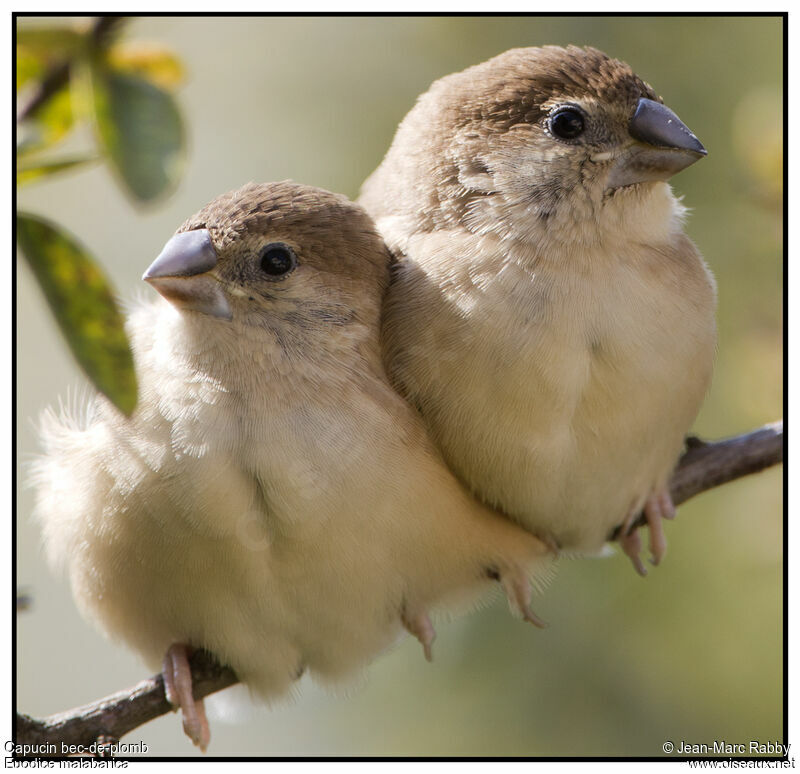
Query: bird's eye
x,y
278,259
566,124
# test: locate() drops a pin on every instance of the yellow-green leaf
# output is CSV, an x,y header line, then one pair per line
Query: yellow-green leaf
x,y
83,304
149,61
40,48
52,121
50,42
140,128
28,173
29,66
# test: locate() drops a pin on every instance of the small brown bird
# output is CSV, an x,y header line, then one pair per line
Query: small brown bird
x,y
272,499
548,316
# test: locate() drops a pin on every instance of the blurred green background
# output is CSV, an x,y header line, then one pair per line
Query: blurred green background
x,y
693,652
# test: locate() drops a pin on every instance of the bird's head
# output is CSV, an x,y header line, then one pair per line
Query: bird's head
x,y
544,131
279,256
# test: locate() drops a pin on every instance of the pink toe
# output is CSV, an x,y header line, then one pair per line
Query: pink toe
x,y
632,546
667,506
658,540
658,507
419,624
517,588
178,689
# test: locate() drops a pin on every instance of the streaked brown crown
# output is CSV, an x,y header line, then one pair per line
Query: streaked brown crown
x,y
332,231
513,87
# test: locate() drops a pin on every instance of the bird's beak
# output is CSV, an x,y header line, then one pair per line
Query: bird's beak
x,y
661,146
180,274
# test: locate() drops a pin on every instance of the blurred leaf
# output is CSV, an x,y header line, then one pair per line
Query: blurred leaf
x,y
140,128
51,42
40,48
56,116
52,121
149,61
30,172
29,66
83,304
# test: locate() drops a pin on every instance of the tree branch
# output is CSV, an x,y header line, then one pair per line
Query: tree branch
x,y
703,466
111,718
708,465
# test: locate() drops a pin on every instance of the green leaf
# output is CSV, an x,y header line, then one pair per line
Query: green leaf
x,y
140,128
28,173
83,304
40,48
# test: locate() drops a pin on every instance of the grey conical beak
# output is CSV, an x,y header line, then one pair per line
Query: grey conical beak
x,y
186,254
180,274
663,146
656,125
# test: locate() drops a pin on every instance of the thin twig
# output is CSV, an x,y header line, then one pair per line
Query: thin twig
x,y
118,714
703,466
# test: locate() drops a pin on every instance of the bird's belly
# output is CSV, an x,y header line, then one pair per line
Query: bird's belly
x,y
567,437
263,574
575,482
269,607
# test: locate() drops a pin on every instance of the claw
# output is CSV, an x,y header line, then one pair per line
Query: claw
x,y
658,540
419,624
632,545
658,506
178,689
517,588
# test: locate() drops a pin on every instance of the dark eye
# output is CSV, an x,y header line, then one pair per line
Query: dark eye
x,y
566,124
278,259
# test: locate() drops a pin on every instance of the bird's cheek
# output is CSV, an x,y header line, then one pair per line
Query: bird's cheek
x,y
197,294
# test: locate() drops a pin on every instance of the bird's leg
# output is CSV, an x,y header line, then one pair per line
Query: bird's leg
x,y
658,506
517,588
178,688
419,624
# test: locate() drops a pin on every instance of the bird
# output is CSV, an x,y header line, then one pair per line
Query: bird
x,y
271,500
547,314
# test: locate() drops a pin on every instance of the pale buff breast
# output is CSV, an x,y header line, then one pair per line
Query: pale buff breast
x,y
560,397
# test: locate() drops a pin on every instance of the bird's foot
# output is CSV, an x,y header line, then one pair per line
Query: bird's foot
x,y
657,507
178,688
419,624
517,588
